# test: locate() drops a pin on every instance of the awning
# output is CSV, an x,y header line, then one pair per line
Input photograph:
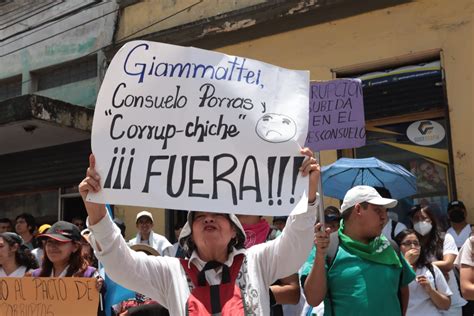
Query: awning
x,y
44,144
31,122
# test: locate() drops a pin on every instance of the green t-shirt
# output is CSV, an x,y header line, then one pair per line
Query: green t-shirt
x,y
360,287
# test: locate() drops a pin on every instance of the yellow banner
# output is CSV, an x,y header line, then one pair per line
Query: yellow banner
x,y
48,296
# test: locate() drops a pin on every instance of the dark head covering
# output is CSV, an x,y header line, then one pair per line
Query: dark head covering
x,y
63,231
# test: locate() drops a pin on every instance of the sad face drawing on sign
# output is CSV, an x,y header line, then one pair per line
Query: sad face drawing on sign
x,y
275,128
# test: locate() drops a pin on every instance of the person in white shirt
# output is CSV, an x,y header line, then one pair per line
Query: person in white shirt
x,y
15,257
392,228
441,251
465,263
38,252
218,261
429,292
145,235
460,229
177,249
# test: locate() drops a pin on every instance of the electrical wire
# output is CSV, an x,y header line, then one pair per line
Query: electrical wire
x,y
54,35
49,23
129,35
25,15
84,23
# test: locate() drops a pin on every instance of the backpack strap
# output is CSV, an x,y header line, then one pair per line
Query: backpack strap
x,y
332,249
394,225
89,273
191,272
429,266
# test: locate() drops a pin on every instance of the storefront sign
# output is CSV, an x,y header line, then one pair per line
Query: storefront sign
x,y
336,115
185,128
426,133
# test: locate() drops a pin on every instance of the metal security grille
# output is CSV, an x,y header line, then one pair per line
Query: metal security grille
x,y
416,95
68,73
413,90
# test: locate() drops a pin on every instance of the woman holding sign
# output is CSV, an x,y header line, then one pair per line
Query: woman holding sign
x,y
62,253
220,276
15,257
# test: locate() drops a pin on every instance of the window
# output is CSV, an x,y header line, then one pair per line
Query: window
x,y
403,90
392,140
68,73
10,88
407,124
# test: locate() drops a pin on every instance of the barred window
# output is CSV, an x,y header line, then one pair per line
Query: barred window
x,y
68,73
10,88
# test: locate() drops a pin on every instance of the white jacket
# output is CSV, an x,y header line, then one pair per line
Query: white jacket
x,y
156,241
164,280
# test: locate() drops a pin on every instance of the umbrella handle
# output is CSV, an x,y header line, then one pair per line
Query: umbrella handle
x,y
320,214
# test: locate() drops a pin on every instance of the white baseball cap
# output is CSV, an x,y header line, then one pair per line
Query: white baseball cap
x,y
144,213
364,193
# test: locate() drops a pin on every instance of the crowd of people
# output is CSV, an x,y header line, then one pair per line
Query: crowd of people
x,y
374,266
356,260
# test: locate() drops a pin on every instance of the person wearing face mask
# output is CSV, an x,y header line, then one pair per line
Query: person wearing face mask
x,y
440,251
460,230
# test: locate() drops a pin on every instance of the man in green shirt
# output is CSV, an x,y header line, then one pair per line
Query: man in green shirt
x,y
364,275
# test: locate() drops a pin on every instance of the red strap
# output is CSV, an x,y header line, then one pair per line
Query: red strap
x,y
192,272
235,268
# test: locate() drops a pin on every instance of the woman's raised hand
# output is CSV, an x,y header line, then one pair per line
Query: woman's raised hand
x,y
91,183
321,239
310,167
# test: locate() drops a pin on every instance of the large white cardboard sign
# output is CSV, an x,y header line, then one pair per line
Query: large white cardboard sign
x,y
185,128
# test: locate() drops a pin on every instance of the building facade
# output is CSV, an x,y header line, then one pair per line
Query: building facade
x,y
52,63
413,57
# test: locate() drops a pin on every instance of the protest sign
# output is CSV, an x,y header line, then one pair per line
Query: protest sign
x,y
185,128
336,115
48,296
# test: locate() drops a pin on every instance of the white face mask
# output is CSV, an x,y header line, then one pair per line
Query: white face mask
x,y
422,228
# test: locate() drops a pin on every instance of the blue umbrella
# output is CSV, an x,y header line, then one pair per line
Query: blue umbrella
x,y
345,173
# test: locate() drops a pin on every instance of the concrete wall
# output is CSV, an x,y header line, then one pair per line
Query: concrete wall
x,y
390,35
128,215
83,92
165,14
62,32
